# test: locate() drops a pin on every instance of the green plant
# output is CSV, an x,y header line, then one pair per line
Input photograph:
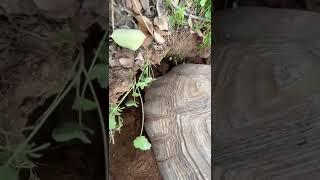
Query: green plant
x,y
178,17
115,110
204,9
14,158
10,167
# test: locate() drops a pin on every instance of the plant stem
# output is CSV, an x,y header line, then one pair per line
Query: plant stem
x,y
42,119
103,128
112,14
94,62
142,110
123,98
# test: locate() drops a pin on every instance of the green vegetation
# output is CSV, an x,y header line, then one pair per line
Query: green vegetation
x,y
202,18
15,158
115,110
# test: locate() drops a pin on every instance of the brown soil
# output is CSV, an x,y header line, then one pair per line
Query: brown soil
x,y
127,163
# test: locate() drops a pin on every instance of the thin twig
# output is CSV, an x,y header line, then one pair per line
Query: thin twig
x,y
94,62
142,110
112,14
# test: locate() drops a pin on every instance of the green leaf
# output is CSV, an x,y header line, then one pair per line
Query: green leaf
x,y
141,85
69,131
144,82
83,104
131,103
8,173
148,80
112,122
142,143
203,3
208,14
99,72
135,94
128,38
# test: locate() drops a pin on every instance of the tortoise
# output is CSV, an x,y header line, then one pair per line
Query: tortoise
x,y
267,94
178,122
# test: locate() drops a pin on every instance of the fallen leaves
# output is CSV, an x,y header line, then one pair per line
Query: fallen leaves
x,y
147,27
146,7
154,30
161,23
145,24
133,5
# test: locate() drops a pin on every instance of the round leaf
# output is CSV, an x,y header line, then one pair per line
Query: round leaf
x,y
69,131
83,104
142,143
128,38
131,103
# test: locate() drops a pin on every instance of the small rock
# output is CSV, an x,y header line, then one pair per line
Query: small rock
x,y
126,62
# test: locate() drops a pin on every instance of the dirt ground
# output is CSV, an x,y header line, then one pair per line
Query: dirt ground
x,y
125,161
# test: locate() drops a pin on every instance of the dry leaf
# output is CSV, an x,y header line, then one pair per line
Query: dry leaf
x,y
161,23
161,8
142,21
147,41
146,7
158,38
139,60
199,33
133,5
